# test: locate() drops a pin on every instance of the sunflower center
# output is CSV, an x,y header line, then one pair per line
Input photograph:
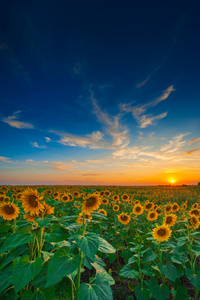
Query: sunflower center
x,y
148,206
195,212
91,201
152,215
65,198
138,209
9,210
125,197
194,221
161,232
124,218
169,220
33,201
168,208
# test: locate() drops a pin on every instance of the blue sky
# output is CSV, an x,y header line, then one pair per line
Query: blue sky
x,y
99,94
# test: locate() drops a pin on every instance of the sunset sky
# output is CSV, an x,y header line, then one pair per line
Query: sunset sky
x,y
95,93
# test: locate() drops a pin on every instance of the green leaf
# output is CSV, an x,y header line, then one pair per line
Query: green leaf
x,y
15,240
169,270
40,280
159,292
99,215
105,247
61,265
64,289
43,221
149,256
98,290
128,273
181,293
179,258
8,258
194,278
26,295
5,278
88,244
141,293
132,260
58,235
24,271
103,273
86,292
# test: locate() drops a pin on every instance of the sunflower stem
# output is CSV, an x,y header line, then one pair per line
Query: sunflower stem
x,y
82,256
40,241
14,225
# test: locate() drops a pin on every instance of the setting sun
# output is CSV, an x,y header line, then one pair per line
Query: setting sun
x,y
172,180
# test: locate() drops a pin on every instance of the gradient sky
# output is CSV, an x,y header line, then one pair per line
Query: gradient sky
x,y
95,93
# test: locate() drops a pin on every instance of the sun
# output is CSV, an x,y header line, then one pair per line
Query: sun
x,y
172,180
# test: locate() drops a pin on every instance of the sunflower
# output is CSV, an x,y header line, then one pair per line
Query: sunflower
x,y
2,198
170,220
80,218
104,201
30,218
159,211
168,208
175,207
161,233
91,203
125,197
115,197
130,202
124,218
101,193
195,205
102,211
48,209
116,207
138,209
148,206
152,216
9,211
194,221
70,196
31,202
107,193
76,194
137,202
195,212
65,198
18,196
184,206
55,194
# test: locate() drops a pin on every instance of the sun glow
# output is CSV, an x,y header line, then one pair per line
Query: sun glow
x,y
172,181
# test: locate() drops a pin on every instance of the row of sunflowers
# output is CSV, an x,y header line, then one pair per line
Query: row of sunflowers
x,y
97,242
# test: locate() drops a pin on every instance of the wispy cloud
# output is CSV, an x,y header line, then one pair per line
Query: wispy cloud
x,y
47,139
13,121
35,145
139,111
5,160
92,141
169,151
111,124
95,161
191,152
91,174
194,140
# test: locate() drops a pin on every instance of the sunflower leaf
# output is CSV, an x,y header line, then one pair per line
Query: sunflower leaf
x,y
88,244
24,271
15,240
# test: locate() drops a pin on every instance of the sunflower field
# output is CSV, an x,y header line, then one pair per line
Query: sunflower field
x,y
99,243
